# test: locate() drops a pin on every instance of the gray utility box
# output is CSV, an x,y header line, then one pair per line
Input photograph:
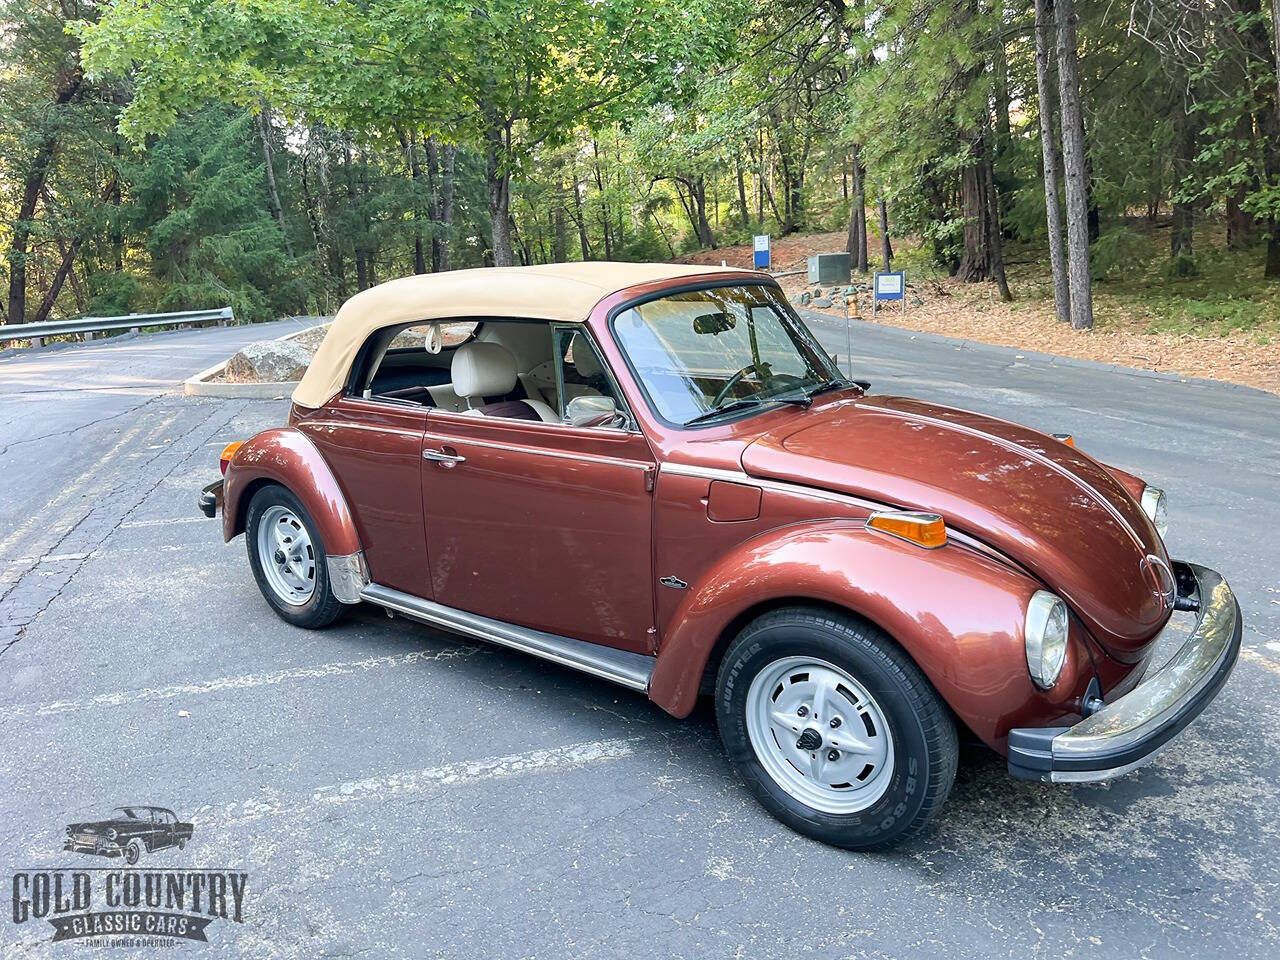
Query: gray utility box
x,y
829,268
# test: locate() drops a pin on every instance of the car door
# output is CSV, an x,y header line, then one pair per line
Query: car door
x,y
373,447
543,525
164,835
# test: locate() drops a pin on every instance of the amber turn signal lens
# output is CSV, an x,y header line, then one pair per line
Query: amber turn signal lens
x,y
1066,438
228,452
923,529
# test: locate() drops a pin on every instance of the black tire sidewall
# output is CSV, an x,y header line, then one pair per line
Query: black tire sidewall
x,y
878,668
319,608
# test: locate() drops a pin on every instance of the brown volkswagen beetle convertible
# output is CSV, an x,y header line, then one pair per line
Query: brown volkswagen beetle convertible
x,y
655,475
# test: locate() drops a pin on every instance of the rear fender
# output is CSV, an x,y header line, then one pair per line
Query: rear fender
x,y
958,613
285,456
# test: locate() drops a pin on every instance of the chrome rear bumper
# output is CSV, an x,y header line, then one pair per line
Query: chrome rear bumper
x,y
1126,733
211,499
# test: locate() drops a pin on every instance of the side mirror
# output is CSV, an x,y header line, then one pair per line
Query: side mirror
x,y
592,411
714,323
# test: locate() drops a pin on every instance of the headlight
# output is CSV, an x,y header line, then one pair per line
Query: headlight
x,y
1155,505
1046,634
111,834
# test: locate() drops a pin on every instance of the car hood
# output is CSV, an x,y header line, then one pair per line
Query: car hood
x,y
1054,510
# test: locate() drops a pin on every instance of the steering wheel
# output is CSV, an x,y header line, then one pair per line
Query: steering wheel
x,y
761,368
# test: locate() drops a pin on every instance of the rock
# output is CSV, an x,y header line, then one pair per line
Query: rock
x,y
822,302
268,361
805,297
917,302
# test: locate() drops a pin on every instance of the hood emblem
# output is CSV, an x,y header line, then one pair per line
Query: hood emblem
x,y
1161,578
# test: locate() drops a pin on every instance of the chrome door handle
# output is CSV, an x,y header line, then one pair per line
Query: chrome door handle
x,y
439,456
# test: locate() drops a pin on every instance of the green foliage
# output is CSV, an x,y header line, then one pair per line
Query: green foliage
x,y
1118,251
625,131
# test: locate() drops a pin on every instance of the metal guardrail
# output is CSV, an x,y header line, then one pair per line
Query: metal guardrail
x,y
37,332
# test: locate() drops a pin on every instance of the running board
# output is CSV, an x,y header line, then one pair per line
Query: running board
x,y
621,666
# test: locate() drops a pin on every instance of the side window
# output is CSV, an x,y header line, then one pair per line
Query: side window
x,y
413,365
586,393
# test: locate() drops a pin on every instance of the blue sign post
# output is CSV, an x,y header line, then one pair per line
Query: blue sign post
x,y
889,286
761,252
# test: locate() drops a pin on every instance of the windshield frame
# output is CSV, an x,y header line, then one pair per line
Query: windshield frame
x,y
730,416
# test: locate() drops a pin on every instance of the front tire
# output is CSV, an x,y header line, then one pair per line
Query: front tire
x,y
133,852
288,559
834,728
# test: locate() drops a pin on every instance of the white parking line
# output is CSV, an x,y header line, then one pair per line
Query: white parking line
x,y
165,522
1266,663
415,781
245,681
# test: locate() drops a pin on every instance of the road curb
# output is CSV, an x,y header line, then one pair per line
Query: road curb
x,y
203,383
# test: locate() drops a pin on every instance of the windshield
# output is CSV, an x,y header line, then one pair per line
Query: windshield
x,y
131,813
703,351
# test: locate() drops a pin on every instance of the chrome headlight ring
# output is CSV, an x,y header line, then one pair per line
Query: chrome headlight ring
x,y
1156,506
1045,631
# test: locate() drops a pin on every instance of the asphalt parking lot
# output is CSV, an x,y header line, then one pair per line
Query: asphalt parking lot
x,y
391,790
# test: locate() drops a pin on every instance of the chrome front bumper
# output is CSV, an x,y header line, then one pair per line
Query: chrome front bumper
x,y
1125,734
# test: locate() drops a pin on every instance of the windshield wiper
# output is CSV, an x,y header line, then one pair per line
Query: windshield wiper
x,y
743,403
836,383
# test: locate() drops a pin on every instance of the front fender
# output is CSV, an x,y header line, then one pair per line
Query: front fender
x,y
957,612
285,456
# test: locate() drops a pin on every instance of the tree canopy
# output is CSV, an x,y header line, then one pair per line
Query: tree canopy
x,y
279,154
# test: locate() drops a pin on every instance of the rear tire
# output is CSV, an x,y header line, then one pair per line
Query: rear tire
x,y
834,728
288,559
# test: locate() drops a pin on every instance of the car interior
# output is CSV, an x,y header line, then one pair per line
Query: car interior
x,y
492,368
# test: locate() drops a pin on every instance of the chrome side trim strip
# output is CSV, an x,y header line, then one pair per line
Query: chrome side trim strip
x,y
831,496
733,476
348,576
436,436
631,670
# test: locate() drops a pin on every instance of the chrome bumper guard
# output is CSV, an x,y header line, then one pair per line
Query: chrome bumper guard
x,y
1125,734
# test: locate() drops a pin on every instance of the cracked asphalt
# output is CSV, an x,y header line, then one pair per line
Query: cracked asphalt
x,y
392,791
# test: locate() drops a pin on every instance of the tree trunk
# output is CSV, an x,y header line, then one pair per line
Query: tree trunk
x,y
31,190
581,219
441,202
858,215
973,188
604,204
409,144
1049,158
498,180
886,248
1268,120
273,193
995,239
742,193
1074,168
1275,23
59,278
705,237
559,232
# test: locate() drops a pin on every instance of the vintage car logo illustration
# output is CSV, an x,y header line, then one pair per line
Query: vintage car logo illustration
x,y
128,903
129,832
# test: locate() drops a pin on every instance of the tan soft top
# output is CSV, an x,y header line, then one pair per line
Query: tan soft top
x,y
565,292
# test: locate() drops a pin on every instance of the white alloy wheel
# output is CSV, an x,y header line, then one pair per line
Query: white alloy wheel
x,y
286,555
819,735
